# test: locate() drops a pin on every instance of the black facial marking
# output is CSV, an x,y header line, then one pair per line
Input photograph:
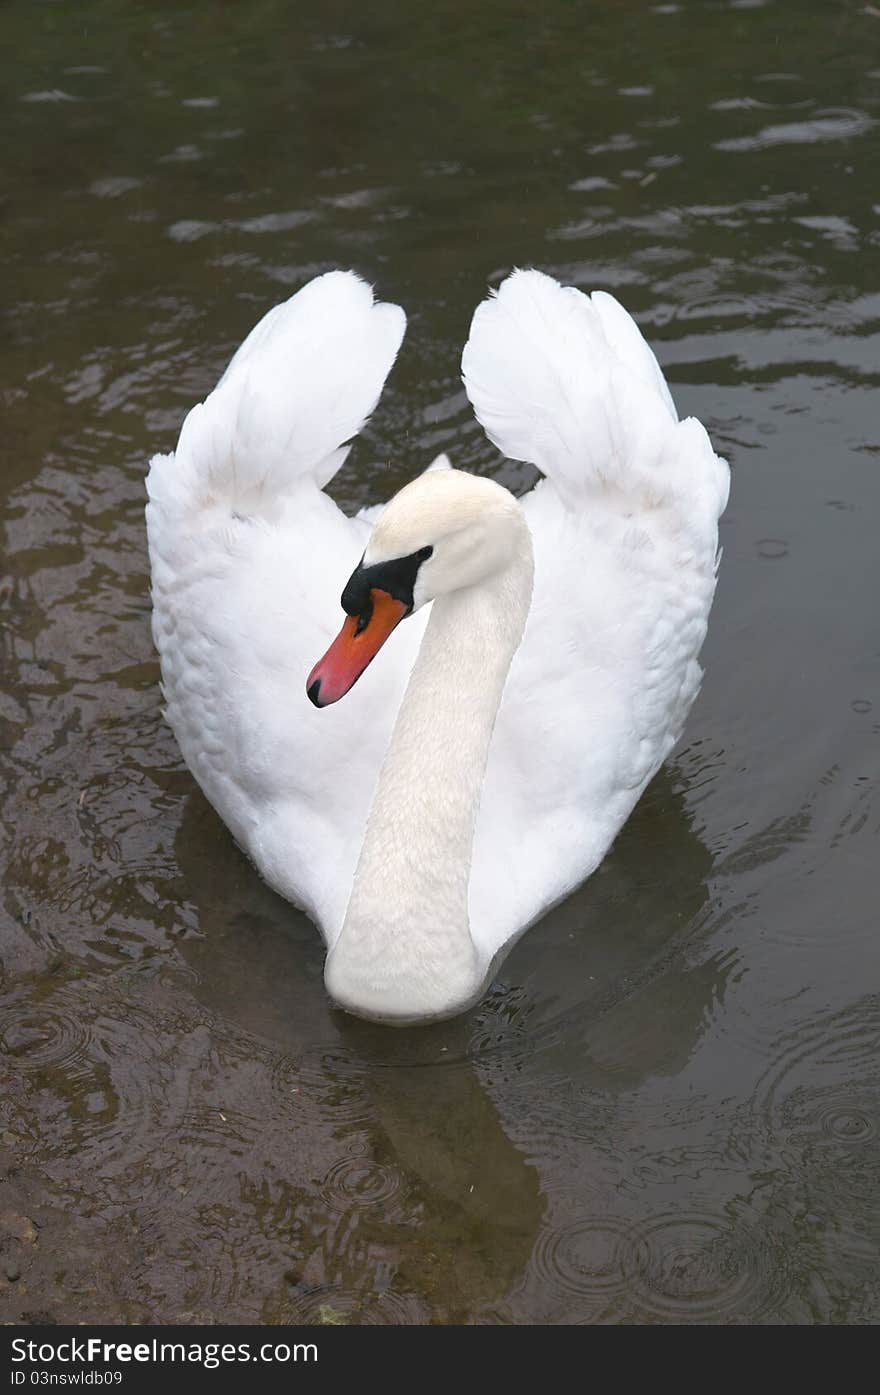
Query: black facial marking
x,y
397,577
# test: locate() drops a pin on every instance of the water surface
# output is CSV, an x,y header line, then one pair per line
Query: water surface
x,y
667,1109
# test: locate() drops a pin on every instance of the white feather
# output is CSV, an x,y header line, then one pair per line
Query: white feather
x,y
567,382
302,383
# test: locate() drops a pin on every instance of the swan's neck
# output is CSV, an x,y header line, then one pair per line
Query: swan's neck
x,y
405,950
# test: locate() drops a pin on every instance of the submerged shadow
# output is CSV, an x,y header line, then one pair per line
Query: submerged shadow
x,y
614,985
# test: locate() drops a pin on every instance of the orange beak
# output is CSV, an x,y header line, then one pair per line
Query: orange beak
x,y
353,648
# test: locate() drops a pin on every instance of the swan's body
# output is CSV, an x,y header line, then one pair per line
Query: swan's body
x,y
249,556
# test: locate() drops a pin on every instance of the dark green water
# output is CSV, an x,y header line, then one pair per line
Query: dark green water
x,y
668,1109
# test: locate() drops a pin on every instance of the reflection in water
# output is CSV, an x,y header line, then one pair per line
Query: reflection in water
x,y
667,1108
429,1189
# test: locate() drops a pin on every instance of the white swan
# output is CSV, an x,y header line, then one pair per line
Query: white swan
x,y
512,764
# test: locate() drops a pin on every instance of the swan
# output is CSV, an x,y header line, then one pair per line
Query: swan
x,y
479,770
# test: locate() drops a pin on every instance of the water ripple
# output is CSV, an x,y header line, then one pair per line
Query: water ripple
x,y
814,1120
698,1267
585,1258
38,1035
360,1182
833,124
822,1084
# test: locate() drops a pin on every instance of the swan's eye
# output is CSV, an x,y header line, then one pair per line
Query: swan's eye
x,y
424,552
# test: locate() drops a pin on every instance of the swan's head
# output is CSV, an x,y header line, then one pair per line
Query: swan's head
x,y
445,531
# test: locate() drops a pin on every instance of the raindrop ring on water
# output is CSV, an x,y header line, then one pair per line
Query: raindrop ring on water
x,y
696,1266
359,1182
42,1035
583,1258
